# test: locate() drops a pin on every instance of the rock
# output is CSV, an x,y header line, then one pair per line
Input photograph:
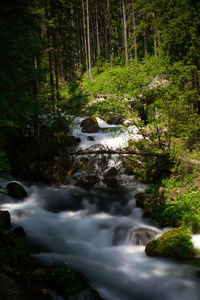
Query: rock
x,y
142,199
90,125
90,138
4,219
142,236
115,119
175,243
120,235
16,190
148,202
128,167
88,181
112,172
111,182
128,122
161,192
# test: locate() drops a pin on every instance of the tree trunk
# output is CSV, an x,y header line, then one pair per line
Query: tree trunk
x,y
125,32
134,152
110,32
134,30
145,44
155,39
88,39
97,32
85,38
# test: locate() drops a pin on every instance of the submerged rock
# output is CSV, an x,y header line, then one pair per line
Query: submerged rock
x,y
142,236
4,219
90,125
175,243
88,181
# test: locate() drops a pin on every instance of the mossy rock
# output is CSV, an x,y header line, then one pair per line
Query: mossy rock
x,y
175,243
16,190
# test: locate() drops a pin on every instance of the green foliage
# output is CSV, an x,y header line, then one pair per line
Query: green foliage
x,y
150,169
120,79
182,203
76,99
4,164
174,243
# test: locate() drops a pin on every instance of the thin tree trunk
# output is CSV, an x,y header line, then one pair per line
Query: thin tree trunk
x,y
134,30
125,32
106,41
145,44
88,39
51,77
35,92
57,77
85,37
97,31
110,32
155,39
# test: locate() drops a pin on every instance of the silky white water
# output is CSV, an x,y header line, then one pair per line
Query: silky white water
x,y
91,229
77,228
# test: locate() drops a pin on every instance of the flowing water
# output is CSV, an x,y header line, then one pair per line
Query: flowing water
x,y
91,230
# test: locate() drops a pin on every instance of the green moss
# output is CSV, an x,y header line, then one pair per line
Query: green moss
x,y
174,243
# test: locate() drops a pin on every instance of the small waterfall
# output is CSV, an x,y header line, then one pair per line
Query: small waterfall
x,y
101,232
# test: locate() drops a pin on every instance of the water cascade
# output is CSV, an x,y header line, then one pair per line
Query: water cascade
x,y
101,232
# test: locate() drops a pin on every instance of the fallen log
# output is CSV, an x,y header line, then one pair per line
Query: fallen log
x,y
109,152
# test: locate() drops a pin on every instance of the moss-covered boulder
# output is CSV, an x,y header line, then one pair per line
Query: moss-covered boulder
x,y
175,243
16,190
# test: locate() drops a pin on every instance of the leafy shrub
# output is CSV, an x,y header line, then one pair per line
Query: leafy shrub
x,y
184,209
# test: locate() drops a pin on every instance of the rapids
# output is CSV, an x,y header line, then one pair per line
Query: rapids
x,y
89,229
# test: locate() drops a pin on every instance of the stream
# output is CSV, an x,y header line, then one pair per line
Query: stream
x,y
92,230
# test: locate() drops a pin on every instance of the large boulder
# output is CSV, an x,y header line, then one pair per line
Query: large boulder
x,y
16,190
90,125
175,243
142,236
4,219
112,172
